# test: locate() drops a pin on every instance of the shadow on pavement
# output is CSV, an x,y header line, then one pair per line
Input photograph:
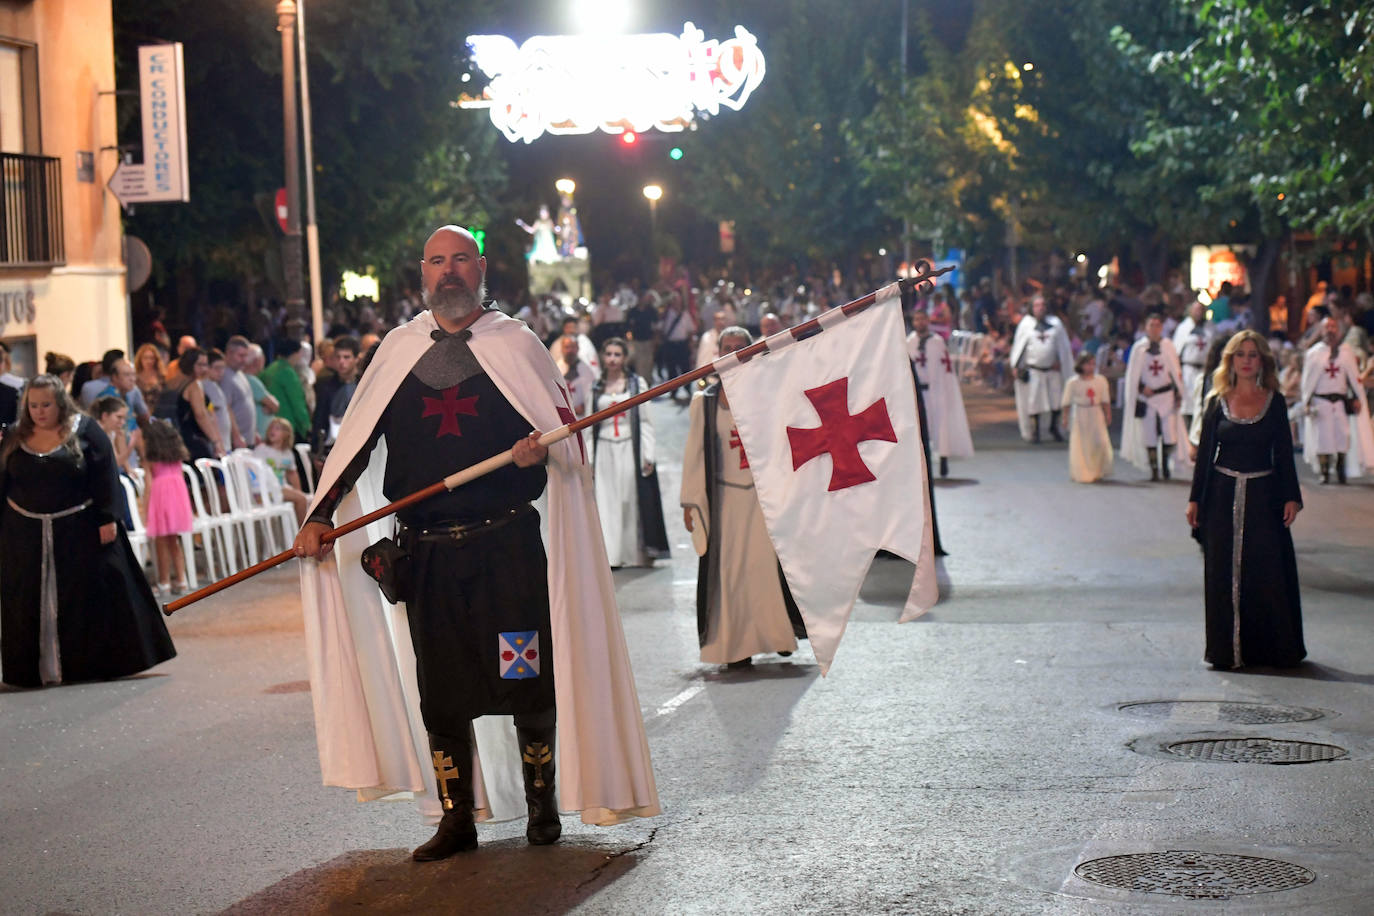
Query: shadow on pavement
x,y
1311,671
496,879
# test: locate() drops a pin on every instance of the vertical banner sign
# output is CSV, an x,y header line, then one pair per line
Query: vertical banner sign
x,y
162,86
163,175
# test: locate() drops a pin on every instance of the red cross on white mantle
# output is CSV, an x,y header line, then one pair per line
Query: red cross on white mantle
x,y
1156,367
449,408
1332,369
921,358
944,361
840,434
736,443
566,415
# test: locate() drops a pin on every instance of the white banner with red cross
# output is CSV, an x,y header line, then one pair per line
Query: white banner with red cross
x,y
831,430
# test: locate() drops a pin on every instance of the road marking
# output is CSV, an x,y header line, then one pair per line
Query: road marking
x,y
672,705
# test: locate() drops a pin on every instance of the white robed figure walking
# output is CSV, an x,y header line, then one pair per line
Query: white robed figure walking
x,y
1330,376
949,433
1040,359
1154,390
1090,402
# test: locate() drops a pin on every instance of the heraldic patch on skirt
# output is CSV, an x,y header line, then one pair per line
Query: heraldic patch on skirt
x,y
479,620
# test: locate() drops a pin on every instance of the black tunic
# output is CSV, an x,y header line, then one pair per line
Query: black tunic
x,y
1264,626
467,593
108,623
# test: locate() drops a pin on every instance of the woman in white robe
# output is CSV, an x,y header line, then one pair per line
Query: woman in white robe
x,y
623,467
1090,445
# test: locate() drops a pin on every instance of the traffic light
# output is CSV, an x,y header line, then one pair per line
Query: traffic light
x,y
675,153
629,138
481,236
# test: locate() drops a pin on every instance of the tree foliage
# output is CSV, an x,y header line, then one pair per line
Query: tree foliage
x,y
392,159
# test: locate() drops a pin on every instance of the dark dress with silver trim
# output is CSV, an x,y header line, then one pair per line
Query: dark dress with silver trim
x,y
105,619
1243,477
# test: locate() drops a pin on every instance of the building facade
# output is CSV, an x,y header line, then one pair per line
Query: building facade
x,y
62,278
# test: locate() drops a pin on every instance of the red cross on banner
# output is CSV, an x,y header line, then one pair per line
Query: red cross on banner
x,y
1332,369
449,408
840,434
735,443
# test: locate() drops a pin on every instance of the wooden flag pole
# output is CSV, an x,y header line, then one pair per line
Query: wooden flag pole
x,y
922,281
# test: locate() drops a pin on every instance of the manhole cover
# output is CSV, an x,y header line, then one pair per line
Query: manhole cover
x,y
1205,711
289,687
1196,875
1255,750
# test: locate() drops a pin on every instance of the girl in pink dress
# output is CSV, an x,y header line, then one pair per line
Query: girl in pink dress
x,y
169,505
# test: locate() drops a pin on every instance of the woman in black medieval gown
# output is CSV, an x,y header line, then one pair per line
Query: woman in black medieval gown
x,y
74,605
1244,498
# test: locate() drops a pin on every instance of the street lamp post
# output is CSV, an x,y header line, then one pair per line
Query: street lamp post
x,y
312,233
291,241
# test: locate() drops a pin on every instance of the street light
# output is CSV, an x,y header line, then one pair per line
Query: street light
x,y
565,186
653,192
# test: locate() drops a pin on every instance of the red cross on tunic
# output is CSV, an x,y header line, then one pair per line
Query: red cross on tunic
x,y
944,361
1332,369
921,358
736,443
615,426
567,416
1156,367
1042,335
449,408
1092,397
840,434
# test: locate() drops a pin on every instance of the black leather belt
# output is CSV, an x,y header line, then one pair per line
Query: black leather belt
x,y
464,532
1334,398
1151,392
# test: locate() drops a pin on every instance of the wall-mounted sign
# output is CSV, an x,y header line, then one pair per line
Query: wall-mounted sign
x,y
163,174
564,84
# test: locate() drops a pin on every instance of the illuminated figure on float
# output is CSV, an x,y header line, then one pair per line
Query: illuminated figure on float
x,y
570,242
544,249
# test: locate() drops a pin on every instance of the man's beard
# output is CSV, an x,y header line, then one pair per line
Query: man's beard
x,y
454,302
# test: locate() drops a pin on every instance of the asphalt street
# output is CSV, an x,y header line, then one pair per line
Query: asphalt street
x,y
992,757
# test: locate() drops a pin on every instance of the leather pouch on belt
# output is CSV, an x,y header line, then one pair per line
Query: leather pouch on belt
x,y
387,563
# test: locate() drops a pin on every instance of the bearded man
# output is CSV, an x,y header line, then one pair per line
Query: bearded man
x,y
486,623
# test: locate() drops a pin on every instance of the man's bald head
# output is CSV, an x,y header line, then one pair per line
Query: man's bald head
x,y
452,273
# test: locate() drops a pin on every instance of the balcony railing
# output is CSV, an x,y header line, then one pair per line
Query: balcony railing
x,y
30,210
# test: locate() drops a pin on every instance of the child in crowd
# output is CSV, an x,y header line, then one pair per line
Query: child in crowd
x,y
278,452
1290,386
1090,445
169,505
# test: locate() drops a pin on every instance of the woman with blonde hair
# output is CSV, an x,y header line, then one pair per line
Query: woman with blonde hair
x,y
75,606
1244,498
150,372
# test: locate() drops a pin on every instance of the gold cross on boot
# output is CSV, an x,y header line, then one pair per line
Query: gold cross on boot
x,y
537,754
444,770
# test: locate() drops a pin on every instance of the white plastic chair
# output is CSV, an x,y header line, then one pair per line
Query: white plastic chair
x,y
237,523
255,496
308,481
138,535
215,533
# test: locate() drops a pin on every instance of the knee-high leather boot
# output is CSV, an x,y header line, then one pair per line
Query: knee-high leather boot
x,y
1325,461
453,773
1054,426
541,799
1164,460
1035,429
1340,467
1153,455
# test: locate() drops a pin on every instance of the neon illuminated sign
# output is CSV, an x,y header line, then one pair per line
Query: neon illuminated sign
x,y
563,84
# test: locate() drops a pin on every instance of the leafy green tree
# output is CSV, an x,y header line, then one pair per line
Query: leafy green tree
x,y
392,158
